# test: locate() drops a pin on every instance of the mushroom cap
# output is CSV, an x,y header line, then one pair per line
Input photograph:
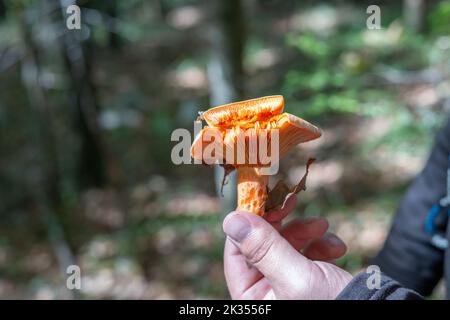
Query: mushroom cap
x,y
244,112
293,131
232,145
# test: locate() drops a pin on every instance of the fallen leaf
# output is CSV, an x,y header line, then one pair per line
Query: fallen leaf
x,y
278,195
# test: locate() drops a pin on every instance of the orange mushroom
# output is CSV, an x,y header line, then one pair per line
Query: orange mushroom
x,y
230,131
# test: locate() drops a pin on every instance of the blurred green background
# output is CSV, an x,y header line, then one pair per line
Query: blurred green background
x,y
86,117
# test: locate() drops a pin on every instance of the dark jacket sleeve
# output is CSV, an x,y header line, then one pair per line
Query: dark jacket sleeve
x,y
389,289
408,255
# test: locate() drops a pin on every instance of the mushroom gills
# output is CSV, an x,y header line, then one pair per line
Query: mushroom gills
x,y
244,112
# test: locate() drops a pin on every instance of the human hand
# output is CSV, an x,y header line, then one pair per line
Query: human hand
x,y
265,260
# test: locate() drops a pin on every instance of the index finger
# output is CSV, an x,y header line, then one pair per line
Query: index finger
x,y
275,217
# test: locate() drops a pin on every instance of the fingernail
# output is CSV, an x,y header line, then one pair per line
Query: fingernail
x,y
237,227
333,240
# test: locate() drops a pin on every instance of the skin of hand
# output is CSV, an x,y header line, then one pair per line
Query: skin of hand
x,y
264,259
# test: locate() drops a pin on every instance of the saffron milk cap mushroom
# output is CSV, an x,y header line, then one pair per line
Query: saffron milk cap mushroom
x,y
243,136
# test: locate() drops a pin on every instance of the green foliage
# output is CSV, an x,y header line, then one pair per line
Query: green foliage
x,y
317,80
345,102
310,45
439,18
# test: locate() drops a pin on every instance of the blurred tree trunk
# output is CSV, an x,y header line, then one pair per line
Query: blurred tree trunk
x,y
111,10
227,40
77,57
46,191
2,9
156,7
108,10
414,15
225,73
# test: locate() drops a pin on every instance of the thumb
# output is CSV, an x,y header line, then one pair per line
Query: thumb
x,y
265,249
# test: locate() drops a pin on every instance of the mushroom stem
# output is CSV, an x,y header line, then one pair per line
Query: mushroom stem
x,y
252,190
